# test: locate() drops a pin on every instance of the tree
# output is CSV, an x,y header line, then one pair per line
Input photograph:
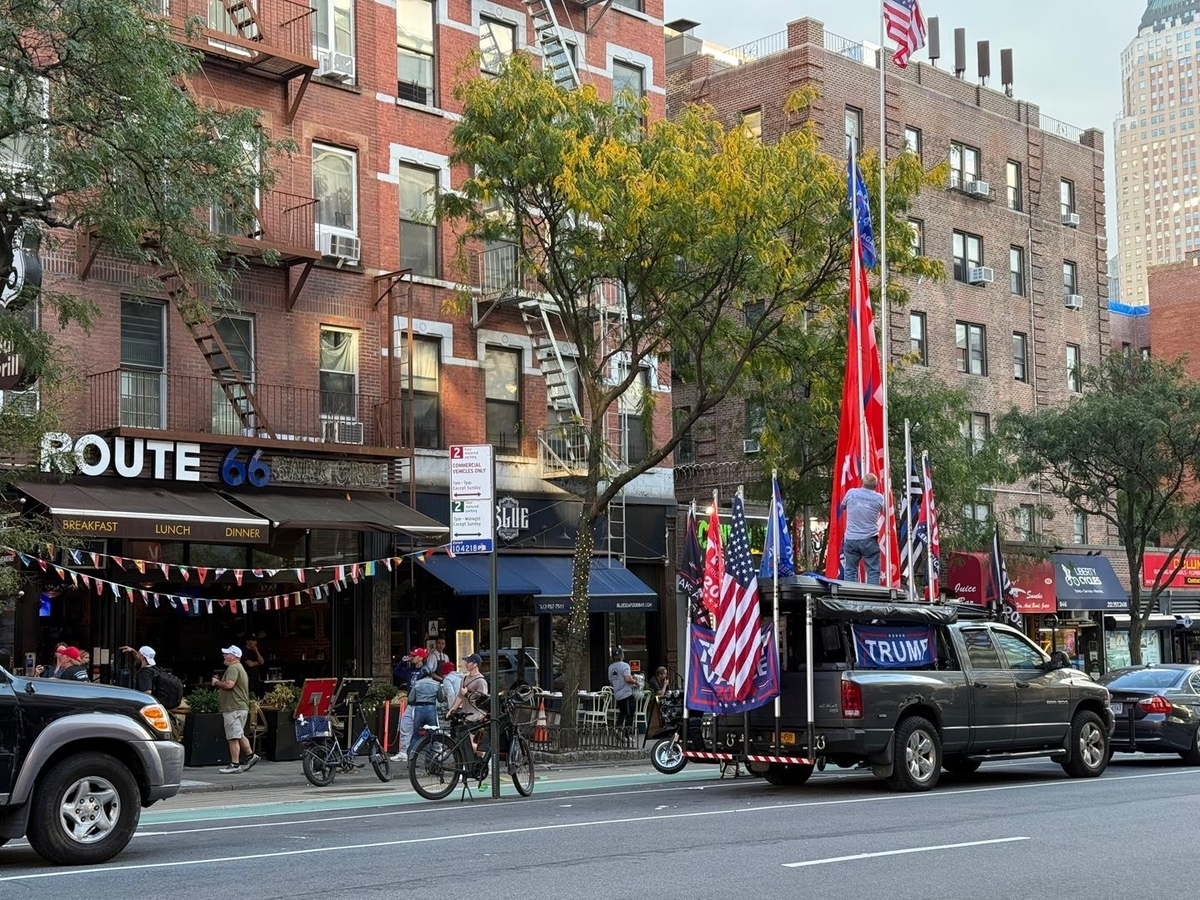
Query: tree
x,y
1125,451
101,135
687,220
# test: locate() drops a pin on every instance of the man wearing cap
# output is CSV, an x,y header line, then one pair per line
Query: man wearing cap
x,y
417,658
233,700
67,665
473,691
451,682
144,680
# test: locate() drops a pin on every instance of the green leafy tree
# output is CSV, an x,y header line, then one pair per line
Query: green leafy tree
x,y
1126,452
101,136
688,221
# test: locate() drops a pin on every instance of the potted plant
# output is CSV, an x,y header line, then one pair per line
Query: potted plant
x,y
279,709
204,741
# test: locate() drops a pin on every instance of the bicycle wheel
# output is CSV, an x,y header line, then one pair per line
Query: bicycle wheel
x,y
520,765
433,767
320,762
379,760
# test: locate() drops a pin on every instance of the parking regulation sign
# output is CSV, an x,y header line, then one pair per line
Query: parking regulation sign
x,y
472,494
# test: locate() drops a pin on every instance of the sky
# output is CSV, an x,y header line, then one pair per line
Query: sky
x,y
1066,53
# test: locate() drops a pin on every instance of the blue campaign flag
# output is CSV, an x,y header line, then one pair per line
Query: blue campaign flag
x,y
777,524
708,692
894,646
860,212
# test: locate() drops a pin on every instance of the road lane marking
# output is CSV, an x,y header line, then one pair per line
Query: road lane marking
x,y
838,859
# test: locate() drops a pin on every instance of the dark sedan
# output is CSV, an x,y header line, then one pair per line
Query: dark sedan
x,y
1157,710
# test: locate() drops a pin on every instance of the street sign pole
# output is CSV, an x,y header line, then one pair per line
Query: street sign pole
x,y
493,643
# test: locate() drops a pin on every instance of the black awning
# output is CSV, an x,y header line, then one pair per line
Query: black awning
x,y
1088,583
143,511
341,511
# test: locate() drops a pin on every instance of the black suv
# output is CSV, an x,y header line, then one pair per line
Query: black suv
x,y
78,761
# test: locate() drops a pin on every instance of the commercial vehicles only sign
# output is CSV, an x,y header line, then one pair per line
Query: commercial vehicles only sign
x,y
472,495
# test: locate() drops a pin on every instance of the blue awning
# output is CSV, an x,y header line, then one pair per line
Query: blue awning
x,y
1088,583
468,575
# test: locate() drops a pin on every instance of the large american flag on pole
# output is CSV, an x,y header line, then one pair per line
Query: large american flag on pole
x,y
738,638
906,26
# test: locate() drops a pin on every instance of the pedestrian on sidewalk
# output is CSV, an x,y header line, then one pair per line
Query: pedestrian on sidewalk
x,y
422,700
416,658
253,662
451,682
623,683
233,700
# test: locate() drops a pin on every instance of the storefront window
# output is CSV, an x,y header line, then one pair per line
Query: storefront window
x,y
1116,648
286,550
153,551
328,547
218,556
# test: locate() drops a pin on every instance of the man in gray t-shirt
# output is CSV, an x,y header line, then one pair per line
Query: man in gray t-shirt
x,y
860,543
622,681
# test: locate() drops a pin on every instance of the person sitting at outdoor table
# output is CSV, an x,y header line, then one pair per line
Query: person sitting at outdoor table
x,y
661,682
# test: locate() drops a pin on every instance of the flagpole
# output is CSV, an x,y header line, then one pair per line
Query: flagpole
x,y
864,445
775,542
930,523
883,278
908,522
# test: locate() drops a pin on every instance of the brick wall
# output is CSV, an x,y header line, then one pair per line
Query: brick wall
x,y
1174,291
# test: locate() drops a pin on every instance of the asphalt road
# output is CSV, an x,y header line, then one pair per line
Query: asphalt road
x,y
1018,829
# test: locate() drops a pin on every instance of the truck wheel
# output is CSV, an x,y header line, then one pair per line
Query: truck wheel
x,y
917,756
667,756
84,811
1089,746
788,775
961,765
1191,756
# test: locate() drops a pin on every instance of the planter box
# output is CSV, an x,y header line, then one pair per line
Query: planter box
x,y
204,741
279,743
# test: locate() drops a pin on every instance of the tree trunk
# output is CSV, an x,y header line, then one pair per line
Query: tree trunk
x,y
578,629
1135,610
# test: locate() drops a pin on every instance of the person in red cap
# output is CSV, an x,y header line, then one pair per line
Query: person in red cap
x,y
416,657
68,666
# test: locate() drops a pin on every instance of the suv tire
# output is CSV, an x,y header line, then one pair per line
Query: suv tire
x,y
1191,756
917,756
1089,746
84,810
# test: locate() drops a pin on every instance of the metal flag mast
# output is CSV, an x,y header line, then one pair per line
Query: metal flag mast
x,y
885,343
927,500
773,524
908,522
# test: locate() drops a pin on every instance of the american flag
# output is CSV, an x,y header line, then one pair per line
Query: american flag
x,y
910,569
738,638
927,530
1001,584
906,26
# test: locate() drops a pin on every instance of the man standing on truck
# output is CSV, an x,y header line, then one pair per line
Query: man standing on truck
x,y
864,508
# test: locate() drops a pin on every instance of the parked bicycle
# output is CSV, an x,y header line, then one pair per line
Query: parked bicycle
x,y
324,756
441,759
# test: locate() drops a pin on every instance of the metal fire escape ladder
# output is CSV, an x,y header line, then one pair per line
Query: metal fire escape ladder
x,y
570,443
555,57
233,384
243,18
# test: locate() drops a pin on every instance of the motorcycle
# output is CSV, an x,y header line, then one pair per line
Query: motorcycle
x,y
666,725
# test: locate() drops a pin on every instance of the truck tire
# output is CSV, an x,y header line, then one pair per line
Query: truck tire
x,y
961,765
1089,746
788,775
84,810
917,756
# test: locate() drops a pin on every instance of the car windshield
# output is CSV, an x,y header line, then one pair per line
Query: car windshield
x,y
1155,679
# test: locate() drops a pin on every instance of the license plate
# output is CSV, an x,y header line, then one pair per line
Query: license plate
x,y
1118,709
787,737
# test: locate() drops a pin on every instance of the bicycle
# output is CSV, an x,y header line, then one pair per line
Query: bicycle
x,y
441,759
324,757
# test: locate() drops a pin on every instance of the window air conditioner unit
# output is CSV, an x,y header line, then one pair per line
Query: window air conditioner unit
x,y
338,66
344,431
1071,220
980,275
751,445
1073,301
342,246
979,189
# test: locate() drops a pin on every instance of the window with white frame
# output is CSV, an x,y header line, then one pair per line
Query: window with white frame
x,y
497,43
237,332
230,217
335,187
628,84
964,165
916,338
1024,520
415,60
854,124
1074,369
752,123
418,229
632,405
143,364
425,408
502,399
333,37
635,5
339,372
27,101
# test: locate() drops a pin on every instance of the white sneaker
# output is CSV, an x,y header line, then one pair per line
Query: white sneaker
x,y
230,770
399,757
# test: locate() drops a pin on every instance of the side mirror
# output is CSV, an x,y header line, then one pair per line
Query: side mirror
x,y
1058,660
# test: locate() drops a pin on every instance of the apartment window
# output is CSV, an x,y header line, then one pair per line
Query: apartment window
x,y
32,98
971,342
502,393
1066,196
632,408
1016,271
1020,357
752,123
1078,527
231,216
333,35
1012,178
968,254
628,85
755,420
335,186
418,230
753,313
414,51
912,140
685,450
853,129
1126,349
635,5
426,403
917,227
964,165
1070,283
1023,516
339,373
977,512
238,334
976,430
497,43
916,337
1074,363
143,364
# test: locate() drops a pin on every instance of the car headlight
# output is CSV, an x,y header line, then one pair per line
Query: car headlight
x,y
155,715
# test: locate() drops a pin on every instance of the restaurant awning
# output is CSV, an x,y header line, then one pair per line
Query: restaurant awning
x,y
468,575
340,511
968,576
1121,622
1087,583
145,512
1033,585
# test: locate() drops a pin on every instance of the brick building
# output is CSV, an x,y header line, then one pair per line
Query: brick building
x,y
311,370
1020,232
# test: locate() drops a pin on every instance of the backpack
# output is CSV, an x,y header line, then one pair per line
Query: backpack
x,y
167,690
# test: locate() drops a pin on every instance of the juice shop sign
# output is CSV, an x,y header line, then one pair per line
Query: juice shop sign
x,y
91,454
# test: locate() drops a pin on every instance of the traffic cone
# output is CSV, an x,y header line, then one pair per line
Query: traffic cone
x,y
539,727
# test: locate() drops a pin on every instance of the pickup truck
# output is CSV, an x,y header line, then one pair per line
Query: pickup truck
x,y
78,761
911,689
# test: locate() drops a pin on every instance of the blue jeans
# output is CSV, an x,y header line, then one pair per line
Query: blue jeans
x,y
866,550
422,716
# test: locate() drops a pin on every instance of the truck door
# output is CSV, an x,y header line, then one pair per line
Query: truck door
x,y
9,735
993,692
1043,698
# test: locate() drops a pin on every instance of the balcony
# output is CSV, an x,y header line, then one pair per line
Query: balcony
x,y
197,408
502,276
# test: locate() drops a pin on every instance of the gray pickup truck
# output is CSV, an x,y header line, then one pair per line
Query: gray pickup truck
x,y
914,688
